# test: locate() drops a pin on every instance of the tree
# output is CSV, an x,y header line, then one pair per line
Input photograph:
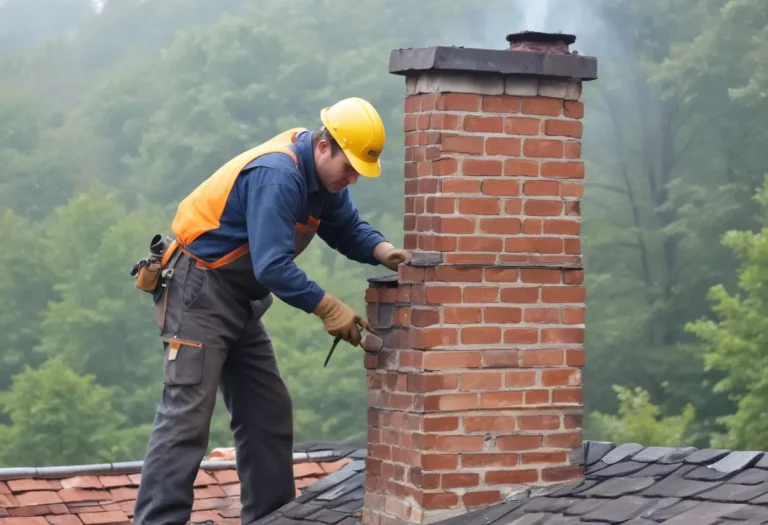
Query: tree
x,y
640,421
59,417
736,341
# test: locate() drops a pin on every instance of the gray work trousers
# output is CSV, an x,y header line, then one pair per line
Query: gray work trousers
x,y
215,339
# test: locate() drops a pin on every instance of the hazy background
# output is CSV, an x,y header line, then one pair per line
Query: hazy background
x,y
110,113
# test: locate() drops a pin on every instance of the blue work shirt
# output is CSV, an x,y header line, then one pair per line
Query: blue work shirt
x,y
266,202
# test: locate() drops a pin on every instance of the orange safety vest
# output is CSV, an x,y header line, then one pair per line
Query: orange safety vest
x,y
201,210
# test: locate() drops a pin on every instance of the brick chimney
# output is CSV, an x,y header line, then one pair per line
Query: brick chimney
x,y
478,391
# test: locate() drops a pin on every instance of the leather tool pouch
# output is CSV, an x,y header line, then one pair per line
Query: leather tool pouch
x,y
149,271
148,277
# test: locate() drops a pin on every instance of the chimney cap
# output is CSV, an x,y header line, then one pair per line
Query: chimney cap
x,y
540,41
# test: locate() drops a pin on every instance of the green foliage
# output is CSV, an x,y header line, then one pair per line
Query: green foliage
x,y
736,342
640,421
60,417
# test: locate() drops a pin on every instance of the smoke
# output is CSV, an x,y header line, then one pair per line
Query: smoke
x,y
535,14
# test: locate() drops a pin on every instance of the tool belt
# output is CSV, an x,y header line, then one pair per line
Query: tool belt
x,y
153,271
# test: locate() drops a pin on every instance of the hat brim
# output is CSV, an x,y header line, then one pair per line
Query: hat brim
x,y
369,170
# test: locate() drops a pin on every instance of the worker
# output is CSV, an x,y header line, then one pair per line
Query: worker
x,y
236,237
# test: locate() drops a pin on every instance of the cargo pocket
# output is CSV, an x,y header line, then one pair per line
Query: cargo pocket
x,y
184,361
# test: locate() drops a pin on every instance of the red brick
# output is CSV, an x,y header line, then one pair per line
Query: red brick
x,y
537,397
478,206
481,498
572,189
567,395
441,424
480,244
509,147
561,377
547,458
545,208
481,335
573,276
523,336
459,185
542,357
533,245
521,168
453,443
489,424
444,359
532,226
437,500
439,461
574,315
572,150
519,295
520,378
521,442
501,399
501,104
541,315
457,225
446,166
513,206
501,226
573,109
500,187
541,276
575,357
469,258
481,168
563,294
501,275
464,144
459,479
483,124
488,460
443,294
444,121
481,294
457,102
454,274
563,170
425,316
521,126
462,315
485,380
543,148
563,128
572,421
563,440
500,358
561,227
541,187
502,315
548,422
542,106
23,521
451,402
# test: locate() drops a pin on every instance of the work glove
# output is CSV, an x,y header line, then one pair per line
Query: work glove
x,y
394,257
339,319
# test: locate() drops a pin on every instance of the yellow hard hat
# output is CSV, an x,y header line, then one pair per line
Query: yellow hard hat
x,y
358,129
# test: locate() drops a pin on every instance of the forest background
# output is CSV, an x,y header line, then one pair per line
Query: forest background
x,y
111,112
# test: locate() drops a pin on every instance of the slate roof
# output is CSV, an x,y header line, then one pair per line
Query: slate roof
x,y
105,493
626,484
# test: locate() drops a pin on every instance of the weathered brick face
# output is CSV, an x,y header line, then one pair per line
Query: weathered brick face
x,y
478,391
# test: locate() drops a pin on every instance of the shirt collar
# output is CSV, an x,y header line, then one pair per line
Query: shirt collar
x,y
303,148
